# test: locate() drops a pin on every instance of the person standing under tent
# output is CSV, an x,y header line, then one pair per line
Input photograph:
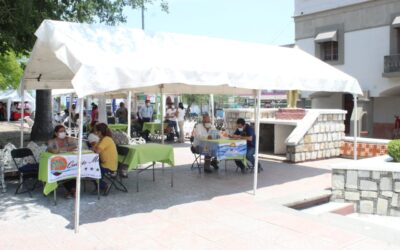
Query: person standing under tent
x,y
72,112
122,113
246,132
146,112
94,115
171,120
181,121
3,112
14,112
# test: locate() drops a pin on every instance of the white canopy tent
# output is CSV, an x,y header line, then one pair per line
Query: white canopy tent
x,y
10,96
95,59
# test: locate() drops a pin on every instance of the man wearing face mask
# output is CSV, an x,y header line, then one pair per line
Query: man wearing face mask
x,y
146,112
202,131
145,115
245,132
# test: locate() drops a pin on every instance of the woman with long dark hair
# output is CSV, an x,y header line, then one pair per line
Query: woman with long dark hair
x,y
61,144
107,151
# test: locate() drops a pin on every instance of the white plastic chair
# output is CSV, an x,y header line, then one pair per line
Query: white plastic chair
x,y
137,141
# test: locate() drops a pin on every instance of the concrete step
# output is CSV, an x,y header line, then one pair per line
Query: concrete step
x,y
272,157
331,207
305,200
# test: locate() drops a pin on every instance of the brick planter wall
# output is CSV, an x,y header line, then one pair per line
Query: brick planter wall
x,y
322,140
290,114
371,191
365,148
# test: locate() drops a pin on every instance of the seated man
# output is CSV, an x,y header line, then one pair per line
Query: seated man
x,y
245,132
202,131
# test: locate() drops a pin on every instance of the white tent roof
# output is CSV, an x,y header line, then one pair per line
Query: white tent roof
x,y
14,96
97,59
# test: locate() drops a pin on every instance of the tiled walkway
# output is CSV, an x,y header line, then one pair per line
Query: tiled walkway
x,y
215,211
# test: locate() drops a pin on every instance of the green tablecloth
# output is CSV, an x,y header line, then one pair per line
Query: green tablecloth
x,y
118,127
145,153
43,171
153,127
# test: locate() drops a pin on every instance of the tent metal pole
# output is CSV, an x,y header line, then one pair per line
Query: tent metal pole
x,y
355,126
78,177
22,86
212,108
129,113
257,132
162,113
71,96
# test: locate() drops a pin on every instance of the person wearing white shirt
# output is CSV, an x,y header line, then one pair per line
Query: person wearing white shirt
x,y
171,119
203,131
181,121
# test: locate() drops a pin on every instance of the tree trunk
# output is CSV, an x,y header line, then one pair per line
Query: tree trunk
x,y
42,129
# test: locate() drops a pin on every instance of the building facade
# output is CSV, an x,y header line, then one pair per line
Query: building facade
x,y
361,38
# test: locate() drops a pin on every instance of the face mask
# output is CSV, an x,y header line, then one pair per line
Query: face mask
x,y
93,138
240,129
62,135
207,125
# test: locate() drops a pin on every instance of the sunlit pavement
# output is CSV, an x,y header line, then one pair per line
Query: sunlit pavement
x,y
212,211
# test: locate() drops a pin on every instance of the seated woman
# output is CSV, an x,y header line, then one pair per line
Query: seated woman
x,y
60,144
107,151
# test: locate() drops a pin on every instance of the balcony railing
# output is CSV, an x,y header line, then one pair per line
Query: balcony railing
x,y
392,64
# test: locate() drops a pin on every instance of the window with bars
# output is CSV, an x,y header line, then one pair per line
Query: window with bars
x,y
329,51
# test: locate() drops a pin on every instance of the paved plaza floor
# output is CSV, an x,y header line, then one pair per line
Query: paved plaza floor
x,y
212,211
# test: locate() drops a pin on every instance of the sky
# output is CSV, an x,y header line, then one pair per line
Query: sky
x,y
259,21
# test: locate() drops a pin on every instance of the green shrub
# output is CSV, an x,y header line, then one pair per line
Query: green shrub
x,y
394,150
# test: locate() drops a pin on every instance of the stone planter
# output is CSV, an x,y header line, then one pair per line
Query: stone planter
x,y
373,185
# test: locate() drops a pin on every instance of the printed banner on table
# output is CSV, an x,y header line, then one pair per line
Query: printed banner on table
x,y
61,167
225,150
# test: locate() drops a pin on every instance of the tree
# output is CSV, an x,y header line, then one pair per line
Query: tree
x,y
20,18
10,70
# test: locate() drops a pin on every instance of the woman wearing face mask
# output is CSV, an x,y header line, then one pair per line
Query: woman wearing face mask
x,y
60,144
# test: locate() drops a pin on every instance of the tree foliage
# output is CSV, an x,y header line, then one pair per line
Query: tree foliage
x,y
10,71
20,18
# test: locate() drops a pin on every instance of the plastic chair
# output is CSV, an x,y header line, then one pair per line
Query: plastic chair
x,y
27,171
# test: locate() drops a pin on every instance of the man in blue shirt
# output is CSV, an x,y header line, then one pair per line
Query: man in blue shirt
x,y
245,132
146,112
145,115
